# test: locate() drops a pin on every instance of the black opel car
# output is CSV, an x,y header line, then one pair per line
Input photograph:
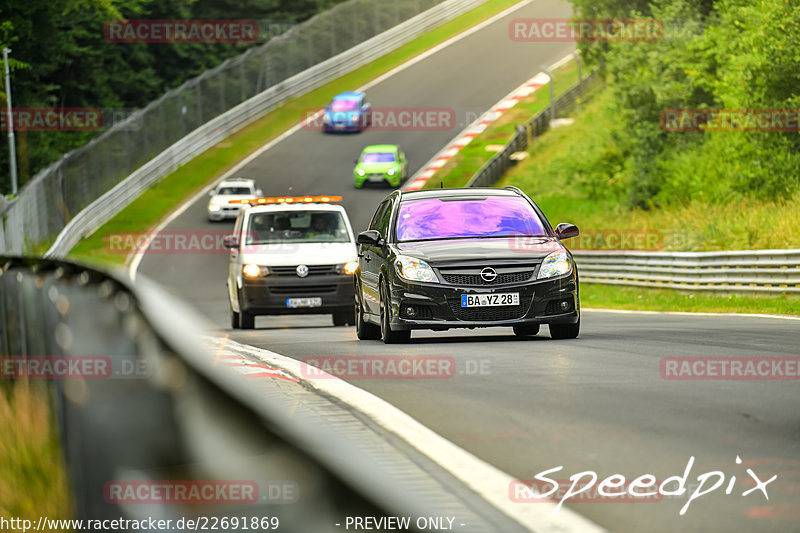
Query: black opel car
x,y
464,258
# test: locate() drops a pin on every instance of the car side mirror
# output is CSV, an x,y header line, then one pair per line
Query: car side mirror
x,y
211,192
566,231
259,192
230,241
370,237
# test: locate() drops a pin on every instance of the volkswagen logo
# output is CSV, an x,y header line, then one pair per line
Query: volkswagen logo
x,y
488,274
302,271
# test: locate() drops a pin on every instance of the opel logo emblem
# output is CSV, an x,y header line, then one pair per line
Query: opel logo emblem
x,y
302,271
488,274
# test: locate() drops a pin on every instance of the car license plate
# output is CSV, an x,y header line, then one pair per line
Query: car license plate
x,y
376,177
489,300
303,302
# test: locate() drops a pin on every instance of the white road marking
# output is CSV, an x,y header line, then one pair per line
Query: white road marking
x,y
687,313
486,480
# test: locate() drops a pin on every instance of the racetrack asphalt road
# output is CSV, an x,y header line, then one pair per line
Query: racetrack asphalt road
x,y
594,403
600,403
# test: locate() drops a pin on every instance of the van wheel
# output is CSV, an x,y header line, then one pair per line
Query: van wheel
x,y
234,320
247,320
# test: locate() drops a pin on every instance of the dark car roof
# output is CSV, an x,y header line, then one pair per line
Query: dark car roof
x,y
455,193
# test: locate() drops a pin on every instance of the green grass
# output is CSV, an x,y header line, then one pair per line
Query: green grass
x,y
458,170
646,299
33,480
155,203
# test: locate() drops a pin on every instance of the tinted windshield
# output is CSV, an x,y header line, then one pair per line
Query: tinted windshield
x,y
344,105
306,226
234,190
433,218
383,157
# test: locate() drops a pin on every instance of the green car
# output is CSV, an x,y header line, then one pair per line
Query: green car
x,y
381,163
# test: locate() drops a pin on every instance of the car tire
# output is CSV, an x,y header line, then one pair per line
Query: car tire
x,y
526,330
565,331
387,334
364,330
247,320
234,320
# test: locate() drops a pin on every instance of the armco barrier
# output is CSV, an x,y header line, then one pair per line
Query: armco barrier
x,y
741,271
88,186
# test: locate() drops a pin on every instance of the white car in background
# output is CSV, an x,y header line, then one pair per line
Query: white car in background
x,y
219,206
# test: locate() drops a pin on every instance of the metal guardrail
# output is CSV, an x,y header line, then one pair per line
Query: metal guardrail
x,y
741,271
183,418
496,167
86,187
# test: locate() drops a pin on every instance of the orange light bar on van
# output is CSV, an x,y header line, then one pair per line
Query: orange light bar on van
x,y
288,200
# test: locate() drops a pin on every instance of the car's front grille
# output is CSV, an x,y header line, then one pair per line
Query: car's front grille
x,y
462,277
303,289
313,270
489,313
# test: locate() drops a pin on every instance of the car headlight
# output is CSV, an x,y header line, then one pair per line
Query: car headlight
x,y
392,171
555,264
326,118
413,269
347,268
254,271
214,208
355,117
360,172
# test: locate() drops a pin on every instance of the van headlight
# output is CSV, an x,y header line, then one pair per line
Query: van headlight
x,y
413,269
555,264
254,271
213,208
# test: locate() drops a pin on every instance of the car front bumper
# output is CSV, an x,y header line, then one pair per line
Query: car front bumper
x,y
224,214
342,126
377,178
269,295
438,305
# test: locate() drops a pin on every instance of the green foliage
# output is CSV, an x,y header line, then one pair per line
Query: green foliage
x,y
729,54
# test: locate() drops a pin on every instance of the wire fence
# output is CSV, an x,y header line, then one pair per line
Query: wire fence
x,y
56,194
496,167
